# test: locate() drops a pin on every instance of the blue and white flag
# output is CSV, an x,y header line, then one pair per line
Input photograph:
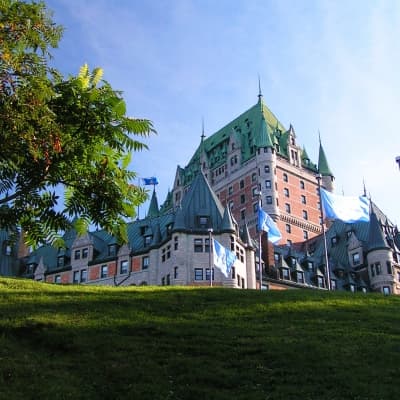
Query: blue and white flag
x,y
223,258
150,181
346,208
267,224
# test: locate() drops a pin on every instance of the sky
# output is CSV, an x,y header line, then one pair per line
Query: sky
x,y
328,67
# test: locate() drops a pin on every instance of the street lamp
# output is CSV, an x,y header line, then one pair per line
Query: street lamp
x,y
398,161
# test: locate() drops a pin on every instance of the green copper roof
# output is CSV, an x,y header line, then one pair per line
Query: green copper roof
x,y
323,167
227,221
376,238
264,138
153,209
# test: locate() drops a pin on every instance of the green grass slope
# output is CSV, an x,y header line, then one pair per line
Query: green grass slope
x,y
79,342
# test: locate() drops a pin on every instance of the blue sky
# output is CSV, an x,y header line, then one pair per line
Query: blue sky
x,y
328,66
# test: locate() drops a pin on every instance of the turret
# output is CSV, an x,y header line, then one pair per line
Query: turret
x,y
379,258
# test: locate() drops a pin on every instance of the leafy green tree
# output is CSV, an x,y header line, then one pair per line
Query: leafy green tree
x,y
66,144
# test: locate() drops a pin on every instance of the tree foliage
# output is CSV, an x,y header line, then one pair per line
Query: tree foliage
x,y
60,135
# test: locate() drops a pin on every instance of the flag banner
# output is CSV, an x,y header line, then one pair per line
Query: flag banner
x,y
223,258
150,181
267,224
346,208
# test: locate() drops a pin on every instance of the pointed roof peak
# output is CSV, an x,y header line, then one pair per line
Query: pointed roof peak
x,y
227,224
153,208
376,237
323,166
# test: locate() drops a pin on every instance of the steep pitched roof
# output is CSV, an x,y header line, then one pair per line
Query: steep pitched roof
x,y
200,201
376,237
323,166
153,208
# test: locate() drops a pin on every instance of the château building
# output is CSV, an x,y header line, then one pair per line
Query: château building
x,y
254,153
219,190
171,246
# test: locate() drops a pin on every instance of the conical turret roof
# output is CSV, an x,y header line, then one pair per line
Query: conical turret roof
x,y
323,166
376,237
153,208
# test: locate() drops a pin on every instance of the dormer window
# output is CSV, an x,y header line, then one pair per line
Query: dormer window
x,y
204,221
7,249
112,249
356,258
334,241
60,261
348,234
30,268
300,277
285,273
147,240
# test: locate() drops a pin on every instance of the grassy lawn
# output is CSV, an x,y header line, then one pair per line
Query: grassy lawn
x,y
79,342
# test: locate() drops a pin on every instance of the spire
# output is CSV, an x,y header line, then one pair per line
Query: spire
x,y
246,236
153,208
227,224
259,89
376,237
323,167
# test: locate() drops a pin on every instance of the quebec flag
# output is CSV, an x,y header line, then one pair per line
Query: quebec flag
x,y
223,258
267,224
346,208
150,181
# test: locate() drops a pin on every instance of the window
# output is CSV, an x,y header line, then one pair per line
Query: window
x,y
198,274
175,272
300,277
389,267
198,245
112,250
378,268
241,184
305,235
123,269
208,274
57,279
176,243
7,249
203,222
302,185
83,275
268,199
268,184
60,261
288,228
253,177
305,214
242,214
348,234
145,262
386,290
285,177
277,257
285,273
242,199
288,242
372,270
356,258
168,279
303,199
286,192
163,281
334,241
76,277
104,271
352,288
77,255
85,253
266,169
320,281
230,190
333,284
287,208
255,208
255,191
147,240
310,265
233,273
230,204
207,245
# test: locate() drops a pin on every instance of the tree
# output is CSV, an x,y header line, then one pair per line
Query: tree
x,y
66,144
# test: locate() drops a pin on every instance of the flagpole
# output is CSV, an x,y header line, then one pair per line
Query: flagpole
x,y
210,249
328,274
259,245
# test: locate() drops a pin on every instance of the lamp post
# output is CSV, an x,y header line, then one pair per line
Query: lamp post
x,y
259,244
210,249
398,161
328,274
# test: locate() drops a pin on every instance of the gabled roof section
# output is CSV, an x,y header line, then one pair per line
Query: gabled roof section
x,y
200,201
